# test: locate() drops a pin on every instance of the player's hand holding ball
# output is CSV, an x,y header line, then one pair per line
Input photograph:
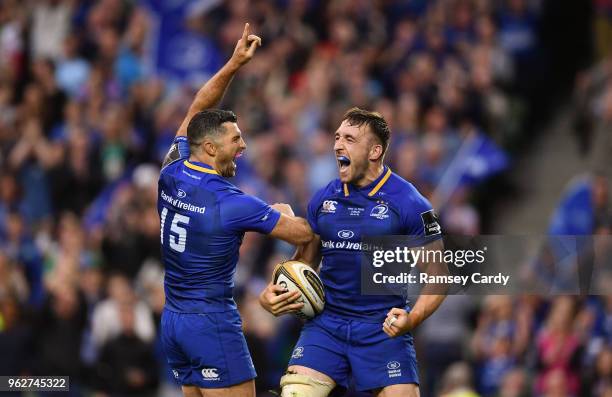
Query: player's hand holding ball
x,y
246,46
398,322
278,300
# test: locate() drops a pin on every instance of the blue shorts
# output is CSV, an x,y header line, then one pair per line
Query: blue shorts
x,y
206,350
343,349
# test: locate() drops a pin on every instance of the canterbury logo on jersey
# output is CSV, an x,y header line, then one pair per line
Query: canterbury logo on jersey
x,y
180,204
210,374
329,206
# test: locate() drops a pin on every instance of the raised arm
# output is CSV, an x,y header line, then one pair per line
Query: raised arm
x,y
212,91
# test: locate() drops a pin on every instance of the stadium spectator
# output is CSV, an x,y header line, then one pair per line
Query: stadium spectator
x,y
442,338
106,318
514,384
126,366
558,348
457,381
599,382
50,26
501,337
57,335
15,337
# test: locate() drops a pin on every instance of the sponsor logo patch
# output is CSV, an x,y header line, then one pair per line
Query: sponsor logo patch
x,y
329,206
210,374
380,211
298,352
393,365
181,204
431,223
393,369
345,234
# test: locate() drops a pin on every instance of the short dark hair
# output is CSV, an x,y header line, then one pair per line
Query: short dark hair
x,y
207,123
377,123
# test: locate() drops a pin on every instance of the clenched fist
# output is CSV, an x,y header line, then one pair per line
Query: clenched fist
x,y
398,322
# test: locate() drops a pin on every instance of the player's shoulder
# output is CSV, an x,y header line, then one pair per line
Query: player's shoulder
x,y
178,150
199,176
170,168
222,185
399,188
228,194
331,190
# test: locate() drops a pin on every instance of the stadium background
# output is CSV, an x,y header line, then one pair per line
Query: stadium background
x,y
480,95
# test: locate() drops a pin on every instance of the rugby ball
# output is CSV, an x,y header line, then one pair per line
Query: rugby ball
x,y
295,275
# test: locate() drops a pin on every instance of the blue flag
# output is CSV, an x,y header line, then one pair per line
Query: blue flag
x,y
177,53
575,214
482,159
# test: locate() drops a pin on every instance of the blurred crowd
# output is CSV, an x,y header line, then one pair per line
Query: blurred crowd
x,y
87,114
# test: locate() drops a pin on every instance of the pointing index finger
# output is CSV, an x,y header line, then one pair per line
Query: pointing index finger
x,y
245,33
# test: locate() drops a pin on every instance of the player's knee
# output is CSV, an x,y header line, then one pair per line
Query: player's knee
x,y
298,385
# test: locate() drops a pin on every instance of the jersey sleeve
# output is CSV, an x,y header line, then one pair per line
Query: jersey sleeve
x,y
311,215
313,209
178,150
243,213
420,219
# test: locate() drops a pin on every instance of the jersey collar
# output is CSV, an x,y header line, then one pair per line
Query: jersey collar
x,y
373,187
202,167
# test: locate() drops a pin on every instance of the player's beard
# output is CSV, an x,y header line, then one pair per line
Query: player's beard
x,y
355,171
227,167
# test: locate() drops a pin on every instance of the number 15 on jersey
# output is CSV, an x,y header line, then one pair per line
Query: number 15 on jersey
x,y
178,234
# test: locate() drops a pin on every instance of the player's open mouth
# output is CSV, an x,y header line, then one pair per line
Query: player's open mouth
x,y
239,154
232,163
343,163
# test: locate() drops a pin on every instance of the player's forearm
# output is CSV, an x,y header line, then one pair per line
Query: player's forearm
x,y
424,307
309,253
292,229
303,232
211,93
432,295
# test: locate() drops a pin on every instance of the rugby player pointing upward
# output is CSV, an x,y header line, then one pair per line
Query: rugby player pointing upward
x,y
360,336
203,219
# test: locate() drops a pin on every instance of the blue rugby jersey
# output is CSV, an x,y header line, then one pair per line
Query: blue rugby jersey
x,y
341,214
203,218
